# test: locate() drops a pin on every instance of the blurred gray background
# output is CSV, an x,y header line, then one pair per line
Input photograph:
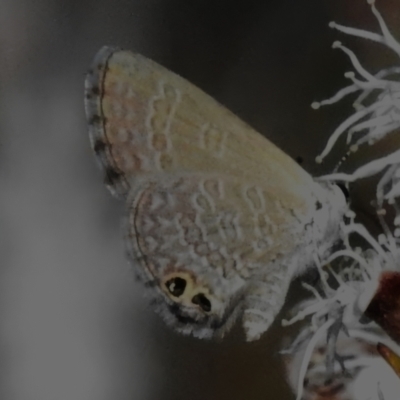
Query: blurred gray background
x,y
73,322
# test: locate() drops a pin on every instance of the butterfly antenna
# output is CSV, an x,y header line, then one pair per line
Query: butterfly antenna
x,y
353,149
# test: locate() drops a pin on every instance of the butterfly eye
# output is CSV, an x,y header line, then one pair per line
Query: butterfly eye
x,y
202,301
344,189
176,286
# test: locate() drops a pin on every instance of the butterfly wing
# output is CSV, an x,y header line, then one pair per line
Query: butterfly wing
x,y
145,120
209,232
215,209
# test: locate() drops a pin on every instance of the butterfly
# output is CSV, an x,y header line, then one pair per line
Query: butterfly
x,y
218,219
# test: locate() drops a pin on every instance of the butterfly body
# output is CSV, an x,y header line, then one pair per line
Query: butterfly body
x,y
218,218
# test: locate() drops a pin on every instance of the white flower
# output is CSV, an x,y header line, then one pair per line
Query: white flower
x,y
334,356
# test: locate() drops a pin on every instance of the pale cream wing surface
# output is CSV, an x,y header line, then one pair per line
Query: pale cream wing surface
x,y
145,119
219,236
223,240
210,220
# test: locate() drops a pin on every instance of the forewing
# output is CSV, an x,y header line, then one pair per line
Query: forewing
x,y
145,120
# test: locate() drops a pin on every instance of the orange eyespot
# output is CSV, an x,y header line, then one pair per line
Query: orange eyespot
x,y
176,286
